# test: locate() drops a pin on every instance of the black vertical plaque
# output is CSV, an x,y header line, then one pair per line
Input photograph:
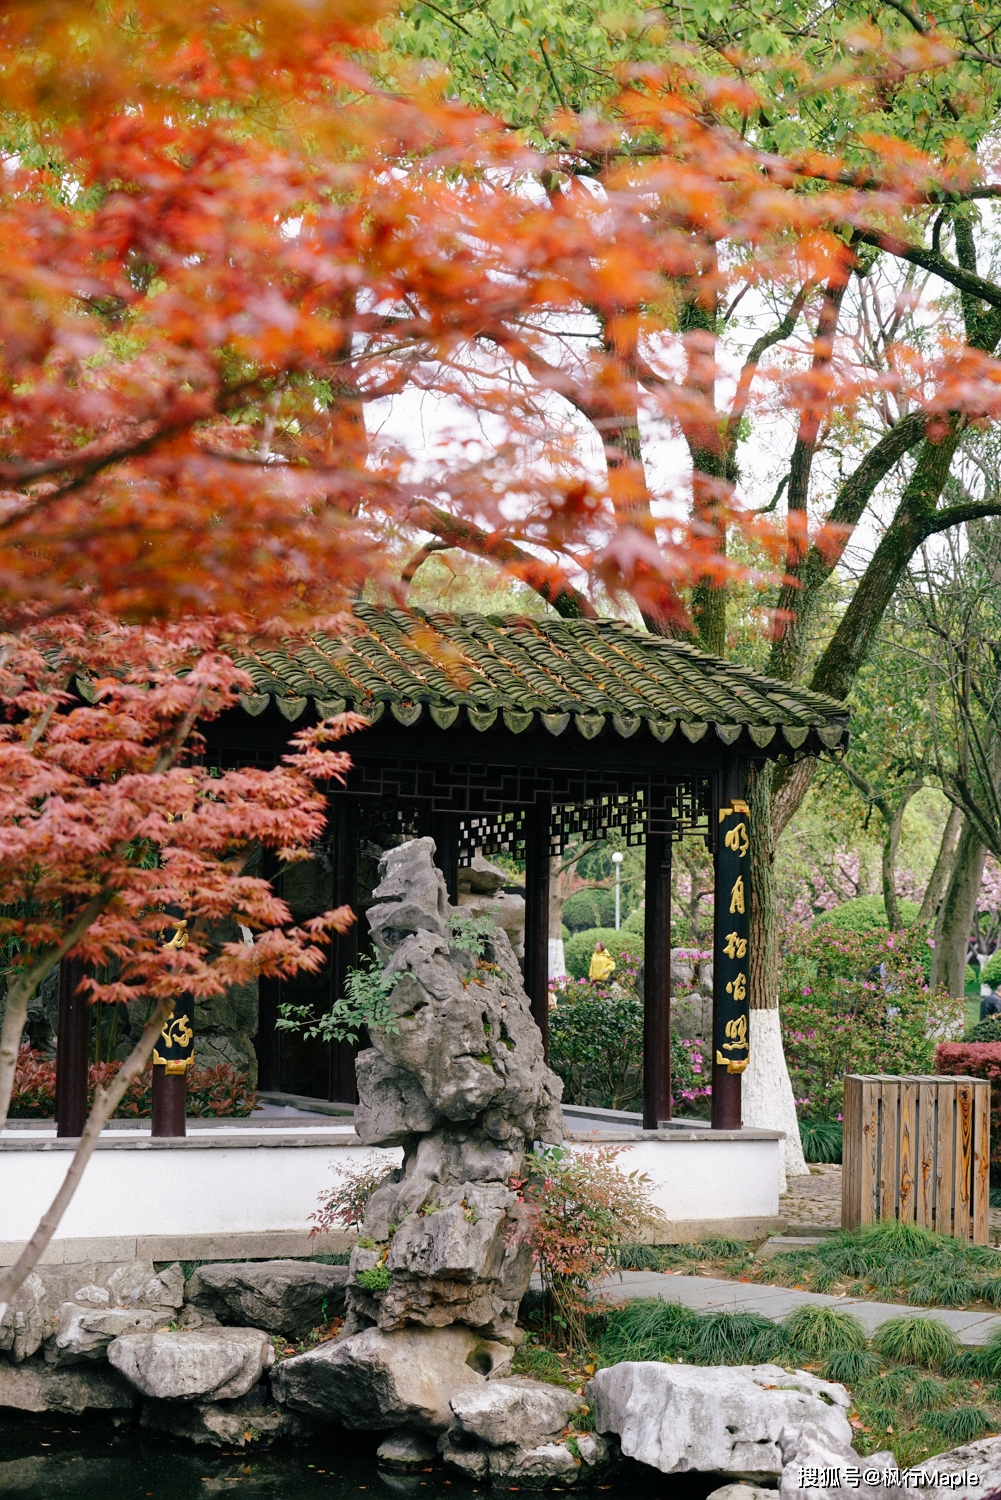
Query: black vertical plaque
x,y
732,936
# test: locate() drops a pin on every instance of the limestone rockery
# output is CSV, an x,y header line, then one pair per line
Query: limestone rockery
x,y
460,1082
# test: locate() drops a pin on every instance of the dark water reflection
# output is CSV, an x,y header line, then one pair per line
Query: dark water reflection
x,y
73,1458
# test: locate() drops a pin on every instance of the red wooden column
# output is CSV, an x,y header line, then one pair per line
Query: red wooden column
x,y
344,823
731,934
173,1055
657,982
71,1049
537,851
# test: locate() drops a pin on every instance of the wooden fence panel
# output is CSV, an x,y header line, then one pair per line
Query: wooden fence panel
x,y
917,1150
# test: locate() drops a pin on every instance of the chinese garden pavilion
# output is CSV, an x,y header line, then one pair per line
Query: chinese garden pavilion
x,y
511,733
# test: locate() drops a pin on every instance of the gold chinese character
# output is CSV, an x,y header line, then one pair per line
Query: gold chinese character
x,y
732,1064
176,1030
737,839
738,987
736,1030
735,946
737,896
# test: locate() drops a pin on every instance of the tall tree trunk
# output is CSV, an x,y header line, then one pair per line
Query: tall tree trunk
x,y
891,843
935,888
955,917
767,1100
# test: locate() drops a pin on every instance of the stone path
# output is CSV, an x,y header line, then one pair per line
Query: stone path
x,y
712,1293
813,1204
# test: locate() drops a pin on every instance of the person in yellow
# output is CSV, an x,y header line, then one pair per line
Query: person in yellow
x,y
602,963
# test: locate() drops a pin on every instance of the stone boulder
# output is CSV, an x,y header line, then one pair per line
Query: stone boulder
x,y
724,1420
393,1108
84,1333
22,1327
480,878
250,1420
215,1364
406,1451
516,1429
982,1458
35,1386
813,1447
290,1297
138,1285
375,1380
516,1411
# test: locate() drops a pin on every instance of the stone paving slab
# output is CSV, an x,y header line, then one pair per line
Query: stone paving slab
x,y
710,1293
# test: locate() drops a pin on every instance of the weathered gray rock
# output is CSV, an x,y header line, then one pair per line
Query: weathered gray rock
x,y
394,1107
982,1458
411,896
251,1420
506,910
741,1491
463,1086
289,1297
727,1420
516,1411
35,1386
574,1460
92,1296
84,1333
215,1363
138,1285
22,1327
808,1446
480,878
405,1450
375,1380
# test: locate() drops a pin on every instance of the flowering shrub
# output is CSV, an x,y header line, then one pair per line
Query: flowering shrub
x,y
977,1060
343,1206
583,1208
213,1092
859,1003
596,1046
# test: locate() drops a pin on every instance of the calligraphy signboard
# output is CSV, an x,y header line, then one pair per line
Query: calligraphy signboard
x,y
733,920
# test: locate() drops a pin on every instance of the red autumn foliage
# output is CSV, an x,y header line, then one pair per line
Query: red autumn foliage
x,y
976,1060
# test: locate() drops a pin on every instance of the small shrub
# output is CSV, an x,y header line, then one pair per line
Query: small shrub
x,y
365,1005
984,1362
864,913
850,1366
343,1206
991,971
820,1330
375,1279
822,1139
583,1207
977,1059
960,1424
916,1341
987,1030
590,908
596,1044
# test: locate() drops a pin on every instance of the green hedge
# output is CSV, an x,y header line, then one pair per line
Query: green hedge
x,y
586,909
991,971
865,913
577,949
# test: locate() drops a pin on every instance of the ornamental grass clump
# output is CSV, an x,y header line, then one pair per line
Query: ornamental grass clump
x,y
582,1207
820,1330
916,1341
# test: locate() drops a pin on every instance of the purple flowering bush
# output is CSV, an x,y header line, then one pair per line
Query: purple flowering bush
x,y
859,1002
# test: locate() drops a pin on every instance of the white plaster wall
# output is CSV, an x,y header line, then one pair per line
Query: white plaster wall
x,y
708,1179
169,1192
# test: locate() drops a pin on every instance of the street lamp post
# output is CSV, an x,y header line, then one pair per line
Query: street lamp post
x,y
617,862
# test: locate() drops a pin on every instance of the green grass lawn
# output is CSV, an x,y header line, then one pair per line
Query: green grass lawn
x,y
885,1262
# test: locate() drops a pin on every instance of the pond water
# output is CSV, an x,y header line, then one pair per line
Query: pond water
x,y
79,1458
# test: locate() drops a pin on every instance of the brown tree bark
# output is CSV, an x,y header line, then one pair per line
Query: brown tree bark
x,y
935,889
955,917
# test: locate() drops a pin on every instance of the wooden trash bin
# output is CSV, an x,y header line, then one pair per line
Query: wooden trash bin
x,y
917,1150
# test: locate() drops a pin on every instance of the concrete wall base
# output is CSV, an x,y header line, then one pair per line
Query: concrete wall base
x,y
691,1231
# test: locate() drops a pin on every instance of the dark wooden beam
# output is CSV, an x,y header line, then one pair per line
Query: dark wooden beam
x,y
731,934
341,1087
657,982
268,1041
537,916
445,832
71,1049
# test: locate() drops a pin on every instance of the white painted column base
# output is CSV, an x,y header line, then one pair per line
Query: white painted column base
x,y
557,959
766,1095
